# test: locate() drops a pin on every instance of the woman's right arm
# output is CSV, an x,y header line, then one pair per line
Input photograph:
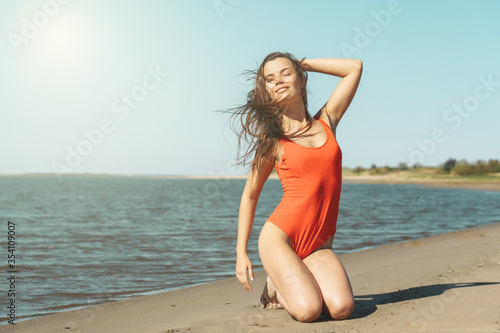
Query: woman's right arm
x,y
248,204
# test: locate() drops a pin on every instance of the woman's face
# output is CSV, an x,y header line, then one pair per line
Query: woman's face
x,y
281,79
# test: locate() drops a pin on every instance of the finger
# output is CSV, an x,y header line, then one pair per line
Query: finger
x,y
242,277
248,286
250,272
244,282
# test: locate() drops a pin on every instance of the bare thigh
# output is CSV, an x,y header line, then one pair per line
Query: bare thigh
x,y
333,282
292,278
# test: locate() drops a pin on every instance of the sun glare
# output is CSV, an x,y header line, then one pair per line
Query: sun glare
x,y
62,41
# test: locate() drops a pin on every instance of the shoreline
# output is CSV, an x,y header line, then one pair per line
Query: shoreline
x,y
394,179
467,184
444,282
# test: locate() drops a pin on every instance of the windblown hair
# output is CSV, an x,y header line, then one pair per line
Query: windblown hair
x,y
261,118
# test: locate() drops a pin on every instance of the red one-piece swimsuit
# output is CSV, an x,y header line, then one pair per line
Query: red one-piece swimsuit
x,y
312,180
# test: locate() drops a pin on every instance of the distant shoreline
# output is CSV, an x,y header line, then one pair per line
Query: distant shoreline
x,y
473,183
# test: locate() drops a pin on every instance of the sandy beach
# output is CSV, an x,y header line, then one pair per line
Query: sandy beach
x,y
469,184
444,283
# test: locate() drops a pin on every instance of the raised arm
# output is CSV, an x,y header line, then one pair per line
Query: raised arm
x,y
248,204
350,70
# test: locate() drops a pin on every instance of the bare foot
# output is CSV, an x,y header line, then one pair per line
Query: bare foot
x,y
269,299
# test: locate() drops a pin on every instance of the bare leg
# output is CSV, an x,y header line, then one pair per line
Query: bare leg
x,y
297,290
332,279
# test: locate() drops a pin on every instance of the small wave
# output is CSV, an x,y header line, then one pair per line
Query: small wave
x,y
141,258
97,296
67,306
231,216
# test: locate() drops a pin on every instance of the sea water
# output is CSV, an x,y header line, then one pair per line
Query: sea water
x,y
87,240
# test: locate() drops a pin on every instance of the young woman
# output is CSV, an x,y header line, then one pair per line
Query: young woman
x,y
295,245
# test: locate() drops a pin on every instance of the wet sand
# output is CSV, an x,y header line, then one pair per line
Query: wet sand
x,y
444,283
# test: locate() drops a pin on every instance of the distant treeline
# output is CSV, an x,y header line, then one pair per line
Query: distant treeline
x,y
463,168
451,166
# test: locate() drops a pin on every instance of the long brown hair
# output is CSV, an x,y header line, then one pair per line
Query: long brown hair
x,y
261,118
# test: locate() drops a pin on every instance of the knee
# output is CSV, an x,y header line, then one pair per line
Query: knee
x,y
342,310
306,312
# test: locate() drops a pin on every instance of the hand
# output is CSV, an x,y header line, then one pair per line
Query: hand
x,y
305,65
243,264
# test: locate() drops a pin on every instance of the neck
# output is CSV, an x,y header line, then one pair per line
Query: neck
x,y
294,115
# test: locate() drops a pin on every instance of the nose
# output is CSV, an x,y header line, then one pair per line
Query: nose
x,y
278,82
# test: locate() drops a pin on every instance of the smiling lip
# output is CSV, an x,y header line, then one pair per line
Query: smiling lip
x,y
278,90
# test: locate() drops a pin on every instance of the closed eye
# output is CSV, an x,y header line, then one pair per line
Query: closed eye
x,y
273,80
286,71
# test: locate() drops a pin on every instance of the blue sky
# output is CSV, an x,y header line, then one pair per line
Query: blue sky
x,y
130,87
